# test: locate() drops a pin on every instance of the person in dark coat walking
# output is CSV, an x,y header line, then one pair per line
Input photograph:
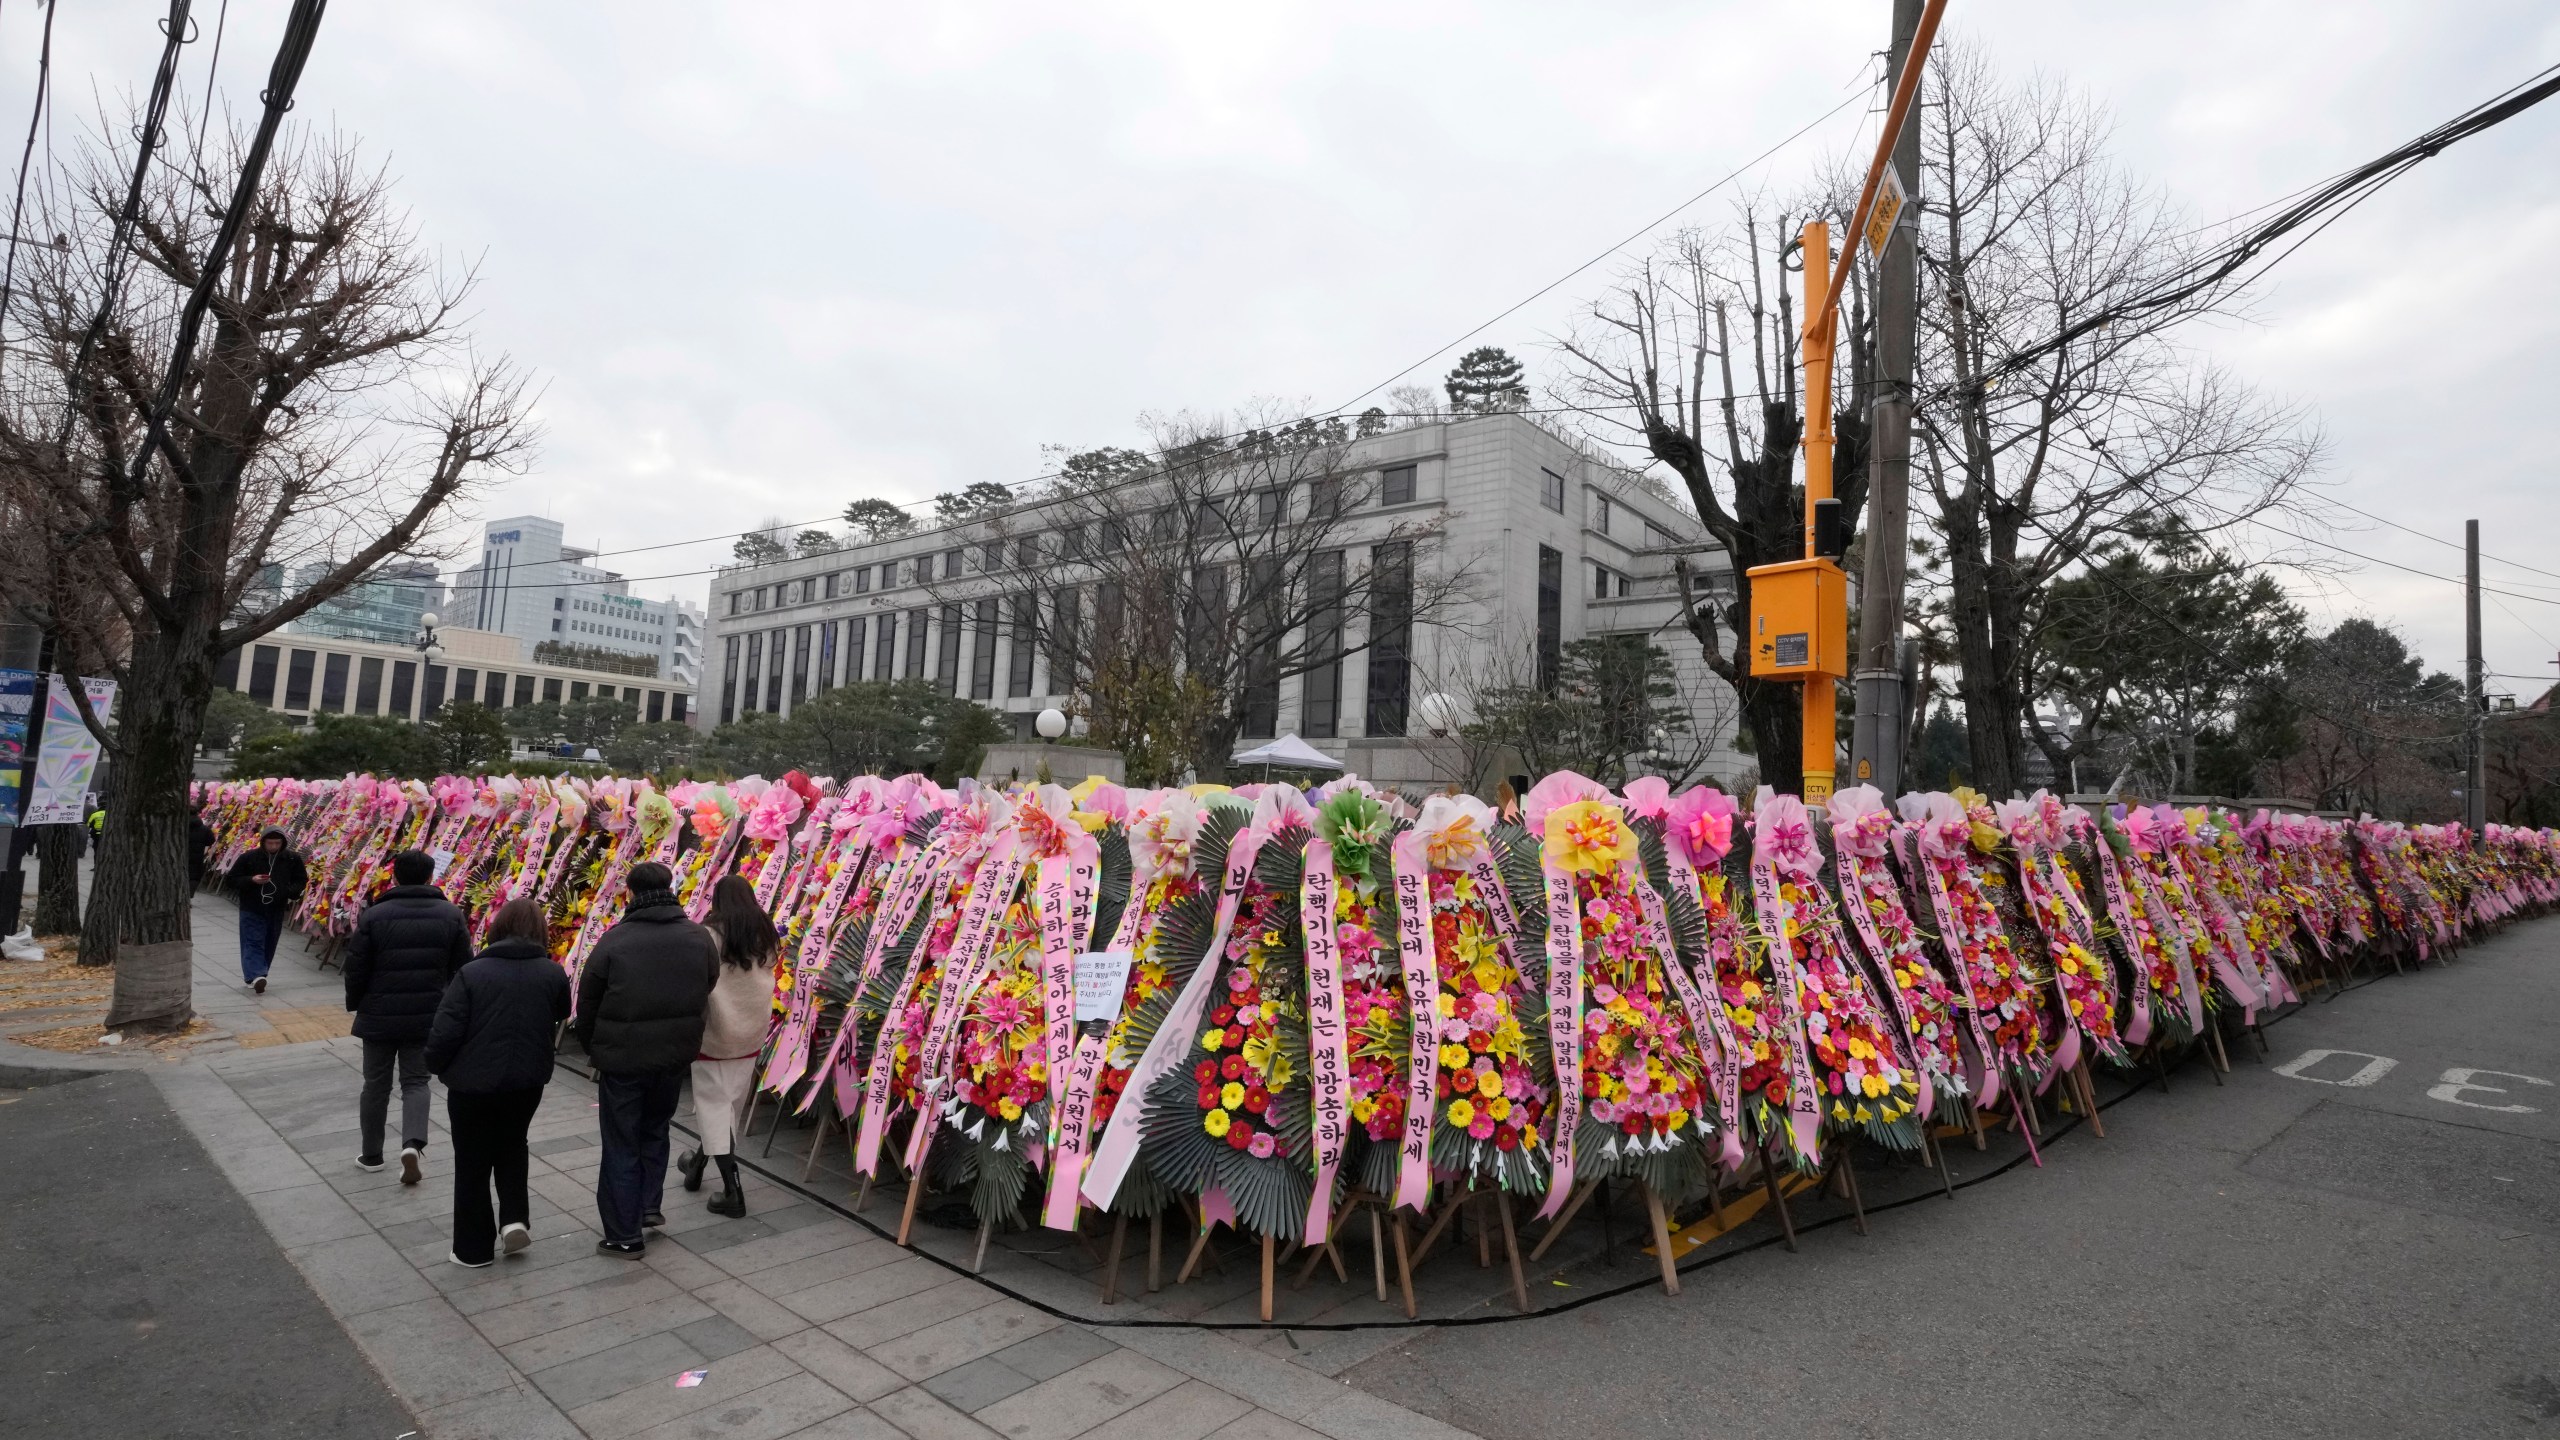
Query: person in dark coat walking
x,y
641,998
406,946
491,1046
268,882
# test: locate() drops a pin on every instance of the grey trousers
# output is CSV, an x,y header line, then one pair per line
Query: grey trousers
x,y
372,1110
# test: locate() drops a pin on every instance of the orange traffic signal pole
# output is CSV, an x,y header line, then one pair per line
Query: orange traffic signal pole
x,y
1799,608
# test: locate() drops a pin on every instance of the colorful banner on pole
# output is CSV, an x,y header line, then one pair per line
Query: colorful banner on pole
x,y
17,707
67,760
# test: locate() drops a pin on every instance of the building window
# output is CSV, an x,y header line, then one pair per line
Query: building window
x,y
773,673
369,685
755,671
333,683
951,565
992,560
551,690
856,632
226,670
404,686
1551,490
729,680
1550,616
1390,637
1071,543
524,689
917,655
946,657
1026,625
657,706
675,707
982,657
1026,552
761,592
577,689
1324,498
1265,584
493,691
1599,512
862,581
884,652
1320,693
1066,618
826,657
262,674
297,679
829,590
1395,487
799,664
1270,507
1599,582
466,684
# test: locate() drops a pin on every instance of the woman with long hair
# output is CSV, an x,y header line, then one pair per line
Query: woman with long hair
x,y
733,1033
491,1044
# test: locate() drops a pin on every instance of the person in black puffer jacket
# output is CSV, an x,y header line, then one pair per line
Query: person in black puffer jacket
x,y
641,998
268,882
406,946
491,1046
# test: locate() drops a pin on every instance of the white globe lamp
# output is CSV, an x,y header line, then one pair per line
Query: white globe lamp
x,y
1439,713
1051,724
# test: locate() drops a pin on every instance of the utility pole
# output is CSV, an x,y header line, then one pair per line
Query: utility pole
x,y
2475,790
1876,734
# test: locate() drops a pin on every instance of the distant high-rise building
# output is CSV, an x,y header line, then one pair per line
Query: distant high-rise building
x,y
531,584
384,606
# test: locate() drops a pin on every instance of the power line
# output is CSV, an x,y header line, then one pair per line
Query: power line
x,y
2440,540
26,161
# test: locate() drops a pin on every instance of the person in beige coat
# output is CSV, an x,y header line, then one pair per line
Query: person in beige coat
x,y
733,1034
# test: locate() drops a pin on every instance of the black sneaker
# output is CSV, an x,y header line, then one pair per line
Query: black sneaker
x,y
653,1221
632,1251
258,986
370,1164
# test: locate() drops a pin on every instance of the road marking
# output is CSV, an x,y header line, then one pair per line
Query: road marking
x,y
2374,1068
2458,1079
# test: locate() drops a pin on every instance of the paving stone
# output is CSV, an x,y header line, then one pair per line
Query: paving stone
x,y
634,1411
1358,1415
777,1410
430,1354
558,1347
526,1319
657,1358
517,1414
979,1332
976,1385
717,1335
926,1418
753,1308
1262,1425
1055,1351
1082,1398
1188,1411
359,1274
839,1364
854,1424
503,1285
798,1247
878,1286
306,1215
911,1313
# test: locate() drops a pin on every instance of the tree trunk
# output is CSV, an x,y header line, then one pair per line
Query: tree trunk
x,y
142,896
1774,711
58,890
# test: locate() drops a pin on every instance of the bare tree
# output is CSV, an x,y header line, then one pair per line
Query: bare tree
x,y
1174,592
2026,227
1691,361
328,412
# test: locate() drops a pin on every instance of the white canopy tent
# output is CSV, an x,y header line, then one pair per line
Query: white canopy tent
x,y
1290,751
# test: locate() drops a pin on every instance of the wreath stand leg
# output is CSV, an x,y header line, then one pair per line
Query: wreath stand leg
x,y
770,1134
1661,1224
1269,1247
1199,1248
817,1137
1974,1113
1511,1248
1111,1261
1378,1252
1404,1263
1155,1251
2220,1057
1938,1155
986,1231
1318,1254
915,1187
2089,1098
2159,1066
1563,1218
1484,1235
1848,1172
1439,1226
1778,1198
1715,1189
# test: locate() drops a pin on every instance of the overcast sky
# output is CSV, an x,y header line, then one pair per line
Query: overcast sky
x,y
772,257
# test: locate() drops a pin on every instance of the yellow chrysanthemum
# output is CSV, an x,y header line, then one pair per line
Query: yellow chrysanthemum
x,y
1448,1003
1499,1107
1462,1113
1216,1122
1454,1057
1009,1108
1214,1039
1489,1084
1232,1096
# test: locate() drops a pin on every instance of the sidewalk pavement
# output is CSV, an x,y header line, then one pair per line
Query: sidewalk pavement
x,y
805,1324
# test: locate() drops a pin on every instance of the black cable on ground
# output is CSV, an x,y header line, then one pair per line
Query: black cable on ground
x,y
1646,1282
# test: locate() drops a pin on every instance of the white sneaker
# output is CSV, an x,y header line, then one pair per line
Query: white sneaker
x,y
370,1167
409,1172
258,986
514,1239
469,1264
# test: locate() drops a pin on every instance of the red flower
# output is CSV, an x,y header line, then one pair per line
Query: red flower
x,y
1506,1139
1208,1097
1256,1098
1222,1015
1232,1067
1239,1136
1204,1072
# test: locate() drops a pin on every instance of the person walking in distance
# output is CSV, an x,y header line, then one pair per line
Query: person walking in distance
x,y
733,1032
491,1046
641,998
268,882
406,947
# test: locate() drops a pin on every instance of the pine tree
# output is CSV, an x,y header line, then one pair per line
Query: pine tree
x,y
1486,380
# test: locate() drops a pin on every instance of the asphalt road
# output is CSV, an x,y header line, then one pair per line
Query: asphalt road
x,y
141,1297
2273,1257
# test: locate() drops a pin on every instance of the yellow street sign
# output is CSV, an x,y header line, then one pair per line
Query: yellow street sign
x,y
1889,203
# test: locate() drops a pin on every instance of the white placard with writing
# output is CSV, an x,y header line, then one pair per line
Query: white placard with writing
x,y
1102,977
